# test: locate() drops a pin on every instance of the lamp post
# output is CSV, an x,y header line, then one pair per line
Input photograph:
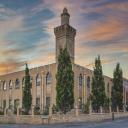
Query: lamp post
x,y
79,101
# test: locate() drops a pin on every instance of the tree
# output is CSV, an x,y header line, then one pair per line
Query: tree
x,y
27,97
117,90
65,82
98,86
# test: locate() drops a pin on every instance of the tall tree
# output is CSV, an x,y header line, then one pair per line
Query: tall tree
x,y
98,86
65,82
27,97
117,90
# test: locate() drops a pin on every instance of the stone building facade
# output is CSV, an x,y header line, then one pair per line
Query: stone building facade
x,y
43,78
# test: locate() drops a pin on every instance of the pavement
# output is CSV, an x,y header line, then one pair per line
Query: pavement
x,y
119,123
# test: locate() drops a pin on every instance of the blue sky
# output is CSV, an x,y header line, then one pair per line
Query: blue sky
x,y
26,32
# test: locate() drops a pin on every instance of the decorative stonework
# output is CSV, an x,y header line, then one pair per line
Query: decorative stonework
x,y
65,30
65,36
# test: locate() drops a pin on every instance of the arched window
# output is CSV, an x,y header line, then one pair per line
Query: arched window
x,y
10,84
48,79
31,78
38,80
88,82
108,88
80,80
23,82
17,84
88,86
4,86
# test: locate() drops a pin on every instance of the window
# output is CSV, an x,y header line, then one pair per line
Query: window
x,y
48,101
38,80
31,79
4,104
88,86
10,103
16,103
48,79
108,88
38,101
23,82
88,82
10,84
4,85
17,84
1,87
80,80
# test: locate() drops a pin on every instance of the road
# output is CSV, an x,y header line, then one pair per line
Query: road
x,y
120,123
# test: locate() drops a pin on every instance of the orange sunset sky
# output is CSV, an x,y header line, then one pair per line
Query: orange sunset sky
x,y
26,32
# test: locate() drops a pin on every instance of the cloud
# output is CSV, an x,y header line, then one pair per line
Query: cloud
x,y
28,32
99,28
113,5
104,31
9,25
10,65
43,60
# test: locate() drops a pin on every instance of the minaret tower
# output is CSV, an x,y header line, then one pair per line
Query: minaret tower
x,y
65,36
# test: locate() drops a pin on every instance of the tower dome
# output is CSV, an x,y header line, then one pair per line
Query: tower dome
x,y
65,10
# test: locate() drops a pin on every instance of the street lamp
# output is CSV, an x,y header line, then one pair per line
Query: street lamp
x,y
79,101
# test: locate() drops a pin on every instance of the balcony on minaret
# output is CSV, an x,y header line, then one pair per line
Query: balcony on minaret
x,y
65,29
65,17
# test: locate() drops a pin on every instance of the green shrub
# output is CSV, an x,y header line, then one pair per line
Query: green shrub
x,y
45,111
86,107
1,113
54,109
37,110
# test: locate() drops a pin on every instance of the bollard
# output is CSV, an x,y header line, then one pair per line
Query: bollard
x,y
124,108
101,109
113,116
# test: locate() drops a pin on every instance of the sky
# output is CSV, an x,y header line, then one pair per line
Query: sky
x,y
27,33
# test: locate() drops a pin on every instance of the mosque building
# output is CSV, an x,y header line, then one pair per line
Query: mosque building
x,y
43,78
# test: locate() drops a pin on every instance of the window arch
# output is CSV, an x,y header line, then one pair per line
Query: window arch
x,y
31,79
108,88
17,83
88,86
23,82
48,78
38,80
4,85
80,80
10,84
88,82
